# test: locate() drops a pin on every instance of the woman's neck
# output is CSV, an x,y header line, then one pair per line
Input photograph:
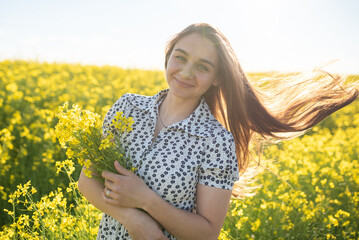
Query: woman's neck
x,y
174,109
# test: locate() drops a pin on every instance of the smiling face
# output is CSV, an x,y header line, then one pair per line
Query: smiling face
x,y
192,67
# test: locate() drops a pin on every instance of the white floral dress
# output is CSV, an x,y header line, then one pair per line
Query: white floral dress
x,y
196,150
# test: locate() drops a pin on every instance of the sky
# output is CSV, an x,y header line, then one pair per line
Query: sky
x,y
267,35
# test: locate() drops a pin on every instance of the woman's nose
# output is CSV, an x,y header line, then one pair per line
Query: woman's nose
x,y
186,71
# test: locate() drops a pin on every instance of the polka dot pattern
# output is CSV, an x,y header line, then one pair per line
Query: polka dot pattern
x,y
196,150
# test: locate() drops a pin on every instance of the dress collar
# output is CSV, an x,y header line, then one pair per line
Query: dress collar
x,y
200,123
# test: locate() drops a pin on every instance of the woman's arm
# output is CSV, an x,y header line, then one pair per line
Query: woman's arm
x,y
92,190
128,190
139,224
212,206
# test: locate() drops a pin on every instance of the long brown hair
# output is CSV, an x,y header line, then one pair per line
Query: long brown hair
x,y
290,104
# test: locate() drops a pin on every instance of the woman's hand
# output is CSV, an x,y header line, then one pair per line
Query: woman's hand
x,y
141,226
125,189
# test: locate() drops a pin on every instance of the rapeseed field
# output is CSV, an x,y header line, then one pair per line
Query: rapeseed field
x,y
309,188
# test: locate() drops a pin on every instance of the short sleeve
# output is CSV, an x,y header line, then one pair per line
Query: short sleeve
x,y
118,106
219,167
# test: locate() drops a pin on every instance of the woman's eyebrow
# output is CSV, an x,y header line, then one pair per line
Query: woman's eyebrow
x,y
201,59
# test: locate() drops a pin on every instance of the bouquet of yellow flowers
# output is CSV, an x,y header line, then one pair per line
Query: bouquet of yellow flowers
x,y
79,131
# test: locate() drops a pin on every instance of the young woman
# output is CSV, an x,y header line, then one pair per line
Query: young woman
x,y
193,139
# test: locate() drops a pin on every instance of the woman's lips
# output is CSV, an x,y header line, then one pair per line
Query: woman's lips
x,y
182,84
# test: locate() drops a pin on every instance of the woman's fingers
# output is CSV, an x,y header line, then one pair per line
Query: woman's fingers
x,y
126,188
109,198
121,170
110,185
113,176
107,192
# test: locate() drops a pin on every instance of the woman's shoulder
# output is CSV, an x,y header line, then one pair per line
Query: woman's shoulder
x,y
128,100
219,134
129,97
215,130
204,124
140,101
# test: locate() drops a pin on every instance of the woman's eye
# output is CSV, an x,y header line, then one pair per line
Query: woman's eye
x,y
180,58
202,68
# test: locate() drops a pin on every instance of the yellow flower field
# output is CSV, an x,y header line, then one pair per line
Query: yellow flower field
x,y
310,192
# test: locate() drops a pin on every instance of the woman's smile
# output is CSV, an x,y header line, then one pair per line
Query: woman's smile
x,y
182,83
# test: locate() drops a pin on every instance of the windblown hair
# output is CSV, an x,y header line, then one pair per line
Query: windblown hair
x,y
277,109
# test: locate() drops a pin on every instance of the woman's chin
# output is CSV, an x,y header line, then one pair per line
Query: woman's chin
x,y
181,93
